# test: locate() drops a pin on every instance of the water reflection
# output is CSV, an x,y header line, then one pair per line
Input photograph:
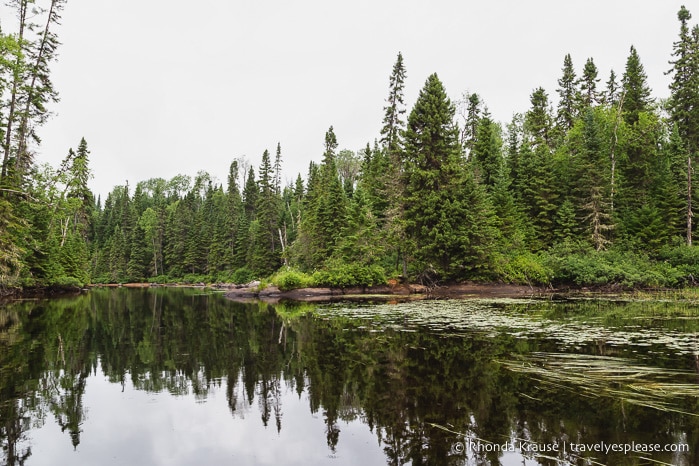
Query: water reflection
x,y
169,376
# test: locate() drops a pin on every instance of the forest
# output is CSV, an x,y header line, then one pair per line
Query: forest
x,y
592,185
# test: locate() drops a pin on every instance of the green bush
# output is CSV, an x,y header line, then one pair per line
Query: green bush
x,y
66,282
528,269
191,278
290,279
342,275
160,279
613,267
685,259
242,275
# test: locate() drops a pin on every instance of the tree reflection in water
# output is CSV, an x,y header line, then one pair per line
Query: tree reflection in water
x,y
413,387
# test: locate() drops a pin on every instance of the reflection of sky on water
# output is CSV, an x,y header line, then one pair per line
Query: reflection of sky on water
x,y
135,427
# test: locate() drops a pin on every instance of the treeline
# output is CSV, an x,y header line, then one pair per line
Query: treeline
x,y
594,190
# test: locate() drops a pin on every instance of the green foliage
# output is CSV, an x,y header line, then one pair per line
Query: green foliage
x,y
428,201
685,259
242,275
613,267
343,275
527,269
289,279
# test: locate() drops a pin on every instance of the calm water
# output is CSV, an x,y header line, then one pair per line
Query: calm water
x,y
182,377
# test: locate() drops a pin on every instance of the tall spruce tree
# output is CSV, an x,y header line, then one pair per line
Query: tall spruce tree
x,y
265,256
447,215
637,94
684,101
567,96
395,108
589,95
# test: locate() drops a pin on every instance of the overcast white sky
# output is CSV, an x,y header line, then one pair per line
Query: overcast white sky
x,y
161,87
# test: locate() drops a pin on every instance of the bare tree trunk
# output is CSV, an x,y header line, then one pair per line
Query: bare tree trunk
x,y
282,240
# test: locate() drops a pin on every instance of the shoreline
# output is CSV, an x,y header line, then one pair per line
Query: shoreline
x,y
271,293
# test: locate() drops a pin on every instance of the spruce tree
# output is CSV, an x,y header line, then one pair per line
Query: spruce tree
x,y
395,108
447,215
684,101
589,95
637,94
487,151
473,116
611,94
265,257
567,96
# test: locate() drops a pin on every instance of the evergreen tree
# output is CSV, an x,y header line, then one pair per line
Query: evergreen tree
x,y
684,101
588,85
447,215
395,108
567,96
472,118
537,121
611,95
487,151
637,97
265,257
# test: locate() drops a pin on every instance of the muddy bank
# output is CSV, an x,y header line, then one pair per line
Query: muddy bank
x,y
461,290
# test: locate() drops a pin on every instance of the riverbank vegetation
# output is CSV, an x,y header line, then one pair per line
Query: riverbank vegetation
x,y
593,187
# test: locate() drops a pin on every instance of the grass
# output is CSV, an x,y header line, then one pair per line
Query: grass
x,y
596,376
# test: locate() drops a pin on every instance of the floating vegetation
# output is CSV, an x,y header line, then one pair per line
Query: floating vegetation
x,y
571,325
596,376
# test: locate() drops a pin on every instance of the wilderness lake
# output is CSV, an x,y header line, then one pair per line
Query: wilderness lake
x,y
177,376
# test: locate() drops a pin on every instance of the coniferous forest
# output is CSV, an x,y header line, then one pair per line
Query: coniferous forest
x,y
592,184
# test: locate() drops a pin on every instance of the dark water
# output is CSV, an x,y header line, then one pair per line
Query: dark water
x,y
181,377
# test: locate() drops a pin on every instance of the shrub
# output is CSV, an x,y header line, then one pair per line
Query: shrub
x,y
613,267
527,268
685,259
342,275
191,278
242,275
290,279
66,282
160,279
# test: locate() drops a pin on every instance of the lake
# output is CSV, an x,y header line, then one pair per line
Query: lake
x,y
172,376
